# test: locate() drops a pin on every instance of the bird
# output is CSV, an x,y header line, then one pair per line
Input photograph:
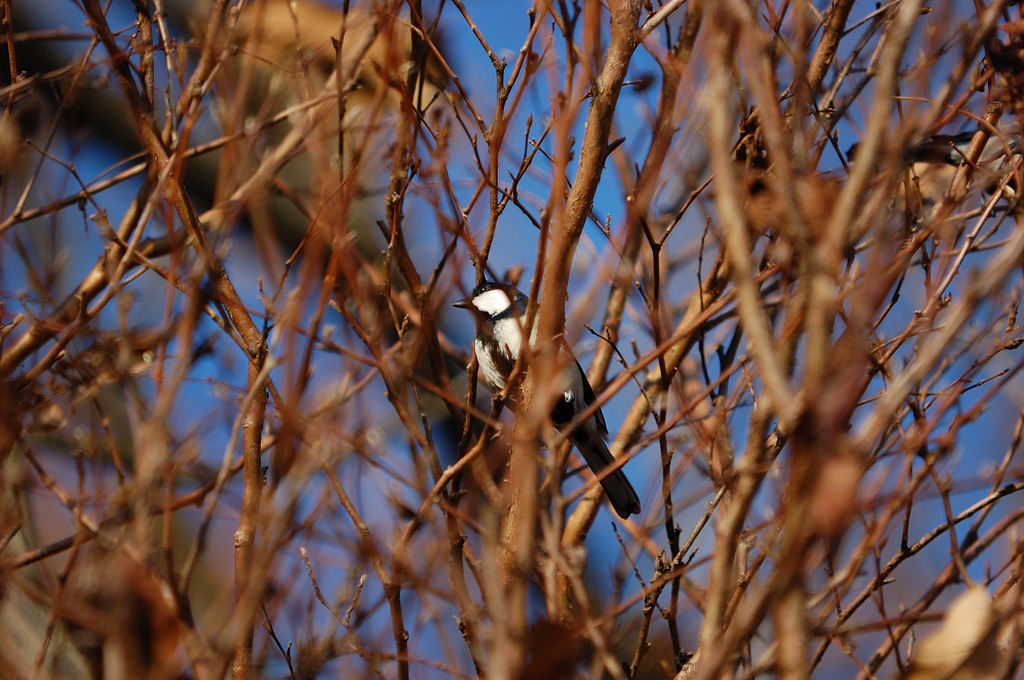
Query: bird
x,y
934,162
499,310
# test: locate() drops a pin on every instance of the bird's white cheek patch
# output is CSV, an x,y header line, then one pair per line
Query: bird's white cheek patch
x,y
492,301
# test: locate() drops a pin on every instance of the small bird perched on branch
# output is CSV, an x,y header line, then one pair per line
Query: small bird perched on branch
x,y
934,162
499,310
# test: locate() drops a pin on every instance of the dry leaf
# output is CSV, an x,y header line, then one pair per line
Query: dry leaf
x,y
964,648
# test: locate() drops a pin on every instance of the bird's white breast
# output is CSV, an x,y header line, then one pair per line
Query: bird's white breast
x,y
507,337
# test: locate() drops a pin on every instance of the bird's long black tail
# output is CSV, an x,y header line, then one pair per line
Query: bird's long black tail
x,y
620,492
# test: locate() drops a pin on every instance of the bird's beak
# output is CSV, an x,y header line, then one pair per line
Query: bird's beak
x,y
464,303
